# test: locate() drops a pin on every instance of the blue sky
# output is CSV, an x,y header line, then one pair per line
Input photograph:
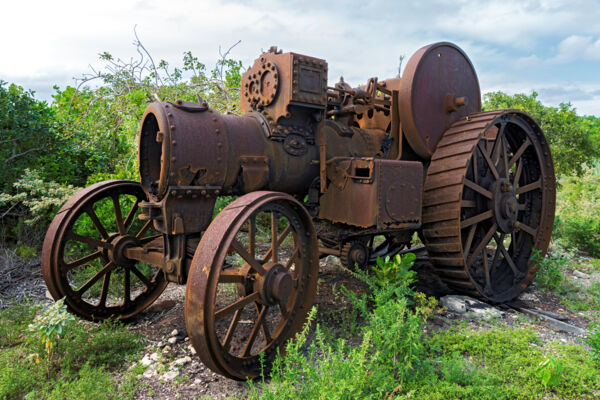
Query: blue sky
x,y
552,47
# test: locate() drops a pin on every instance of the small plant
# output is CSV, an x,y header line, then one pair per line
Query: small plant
x,y
396,272
550,269
549,371
593,340
50,325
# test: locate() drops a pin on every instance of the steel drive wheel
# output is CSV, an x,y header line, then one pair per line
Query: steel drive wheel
x,y
488,202
251,284
83,253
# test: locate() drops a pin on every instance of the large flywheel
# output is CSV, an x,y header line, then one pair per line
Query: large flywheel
x,y
251,284
489,200
84,253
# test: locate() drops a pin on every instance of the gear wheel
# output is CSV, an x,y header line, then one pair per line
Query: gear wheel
x,y
354,254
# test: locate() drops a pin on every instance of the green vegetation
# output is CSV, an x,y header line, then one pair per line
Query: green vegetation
x,y
573,139
395,359
76,363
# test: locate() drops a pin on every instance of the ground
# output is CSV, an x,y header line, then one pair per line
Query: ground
x,y
174,371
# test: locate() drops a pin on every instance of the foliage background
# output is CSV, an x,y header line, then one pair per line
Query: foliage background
x,y
88,133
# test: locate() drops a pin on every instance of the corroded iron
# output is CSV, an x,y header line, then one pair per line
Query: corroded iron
x,y
319,170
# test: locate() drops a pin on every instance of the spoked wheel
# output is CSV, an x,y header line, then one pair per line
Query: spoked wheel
x,y
251,284
488,202
83,253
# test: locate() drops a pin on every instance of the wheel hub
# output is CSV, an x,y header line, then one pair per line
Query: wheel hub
x,y
505,205
276,285
119,245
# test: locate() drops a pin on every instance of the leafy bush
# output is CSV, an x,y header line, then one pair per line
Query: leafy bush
x,y
577,223
392,346
593,340
551,268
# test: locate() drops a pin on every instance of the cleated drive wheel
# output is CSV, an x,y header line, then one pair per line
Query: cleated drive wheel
x,y
489,200
83,253
251,283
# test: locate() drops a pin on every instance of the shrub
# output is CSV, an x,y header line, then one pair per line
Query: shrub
x,y
577,223
551,268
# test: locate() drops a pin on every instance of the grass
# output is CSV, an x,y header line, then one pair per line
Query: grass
x,y
82,365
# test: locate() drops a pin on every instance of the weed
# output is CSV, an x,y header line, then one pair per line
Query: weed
x,y
549,371
51,324
550,269
593,340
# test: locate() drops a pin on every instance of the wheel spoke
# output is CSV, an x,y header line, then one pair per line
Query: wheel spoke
x,y
149,238
477,218
486,271
526,228
486,239
490,163
518,174
283,308
519,152
232,325
231,277
88,240
237,305
126,286
282,237
472,185
104,293
253,334
86,286
144,229
510,261
131,214
468,204
96,221
292,258
470,239
252,236
499,242
274,244
82,260
118,215
141,276
529,187
254,263
505,156
264,327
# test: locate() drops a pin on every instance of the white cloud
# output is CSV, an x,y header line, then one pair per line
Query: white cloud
x,y
576,47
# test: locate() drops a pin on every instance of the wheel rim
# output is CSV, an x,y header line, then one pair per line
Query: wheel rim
x,y
83,253
501,165
246,296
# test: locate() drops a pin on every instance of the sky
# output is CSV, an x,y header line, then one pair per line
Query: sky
x,y
516,46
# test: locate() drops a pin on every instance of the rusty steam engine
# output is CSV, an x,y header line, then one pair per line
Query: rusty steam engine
x,y
318,170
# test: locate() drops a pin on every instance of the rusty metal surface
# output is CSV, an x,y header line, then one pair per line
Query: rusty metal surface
x,y
368,192
491,181
439,86
109,249
260,281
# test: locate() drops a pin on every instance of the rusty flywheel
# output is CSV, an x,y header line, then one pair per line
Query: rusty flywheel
x,y
489,200
251,284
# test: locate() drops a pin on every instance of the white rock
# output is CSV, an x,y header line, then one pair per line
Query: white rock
x,y
149,373
192,350
170,375
160,345
154,356
470,306
528,297
188,359
175,332
186,338
454,304
146,361
172,340
581,275
182,361
167,348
